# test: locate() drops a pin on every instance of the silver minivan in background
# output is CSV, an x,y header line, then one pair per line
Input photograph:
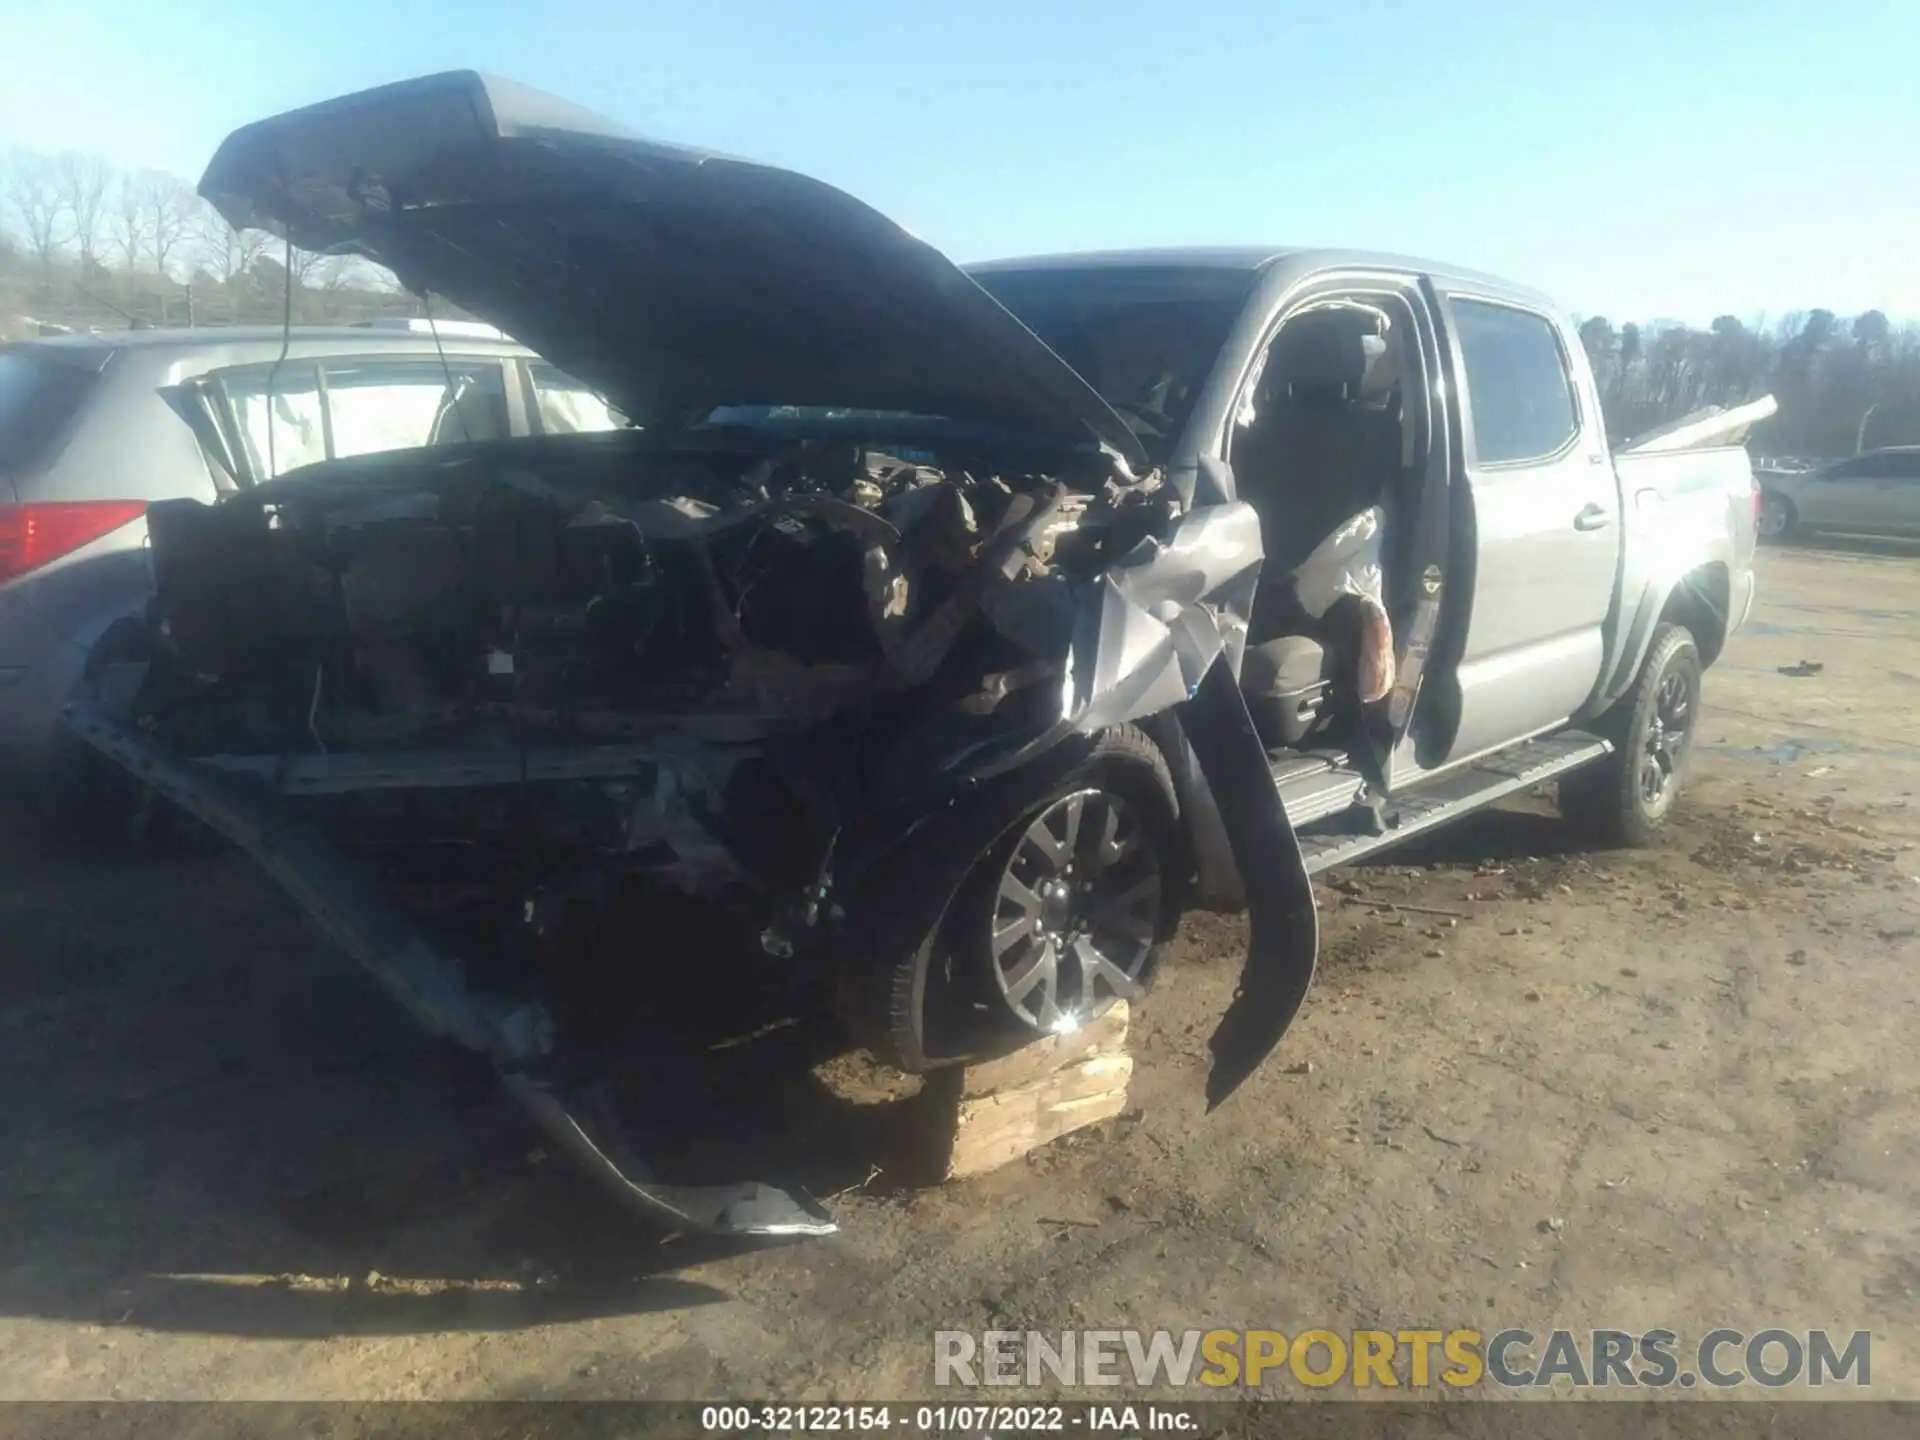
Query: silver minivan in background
x,y
94,428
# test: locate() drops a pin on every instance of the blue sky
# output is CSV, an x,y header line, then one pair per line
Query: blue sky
x,y
1637,159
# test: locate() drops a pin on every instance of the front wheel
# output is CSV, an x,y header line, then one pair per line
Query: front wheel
x,y
1032,909
1067,911
1626,798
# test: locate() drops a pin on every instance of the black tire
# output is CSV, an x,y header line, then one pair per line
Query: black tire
x,y
90,803
1625,799
928,995
100,808
1779,520
87,799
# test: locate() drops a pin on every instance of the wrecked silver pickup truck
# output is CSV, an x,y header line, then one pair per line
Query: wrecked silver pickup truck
x,y
949,633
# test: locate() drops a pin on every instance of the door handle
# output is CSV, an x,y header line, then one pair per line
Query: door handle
x,y
1592,517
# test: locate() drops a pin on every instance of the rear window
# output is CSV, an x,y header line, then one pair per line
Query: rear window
x,y
299,414
37,398
1887,465
1519,393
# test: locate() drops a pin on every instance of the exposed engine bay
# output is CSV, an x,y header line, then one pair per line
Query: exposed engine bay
x,y
710,665
756,674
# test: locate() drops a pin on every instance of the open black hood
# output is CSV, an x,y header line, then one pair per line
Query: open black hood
x,y
673,279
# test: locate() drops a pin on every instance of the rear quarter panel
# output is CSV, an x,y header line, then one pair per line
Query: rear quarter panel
x,y
1687,555
125,444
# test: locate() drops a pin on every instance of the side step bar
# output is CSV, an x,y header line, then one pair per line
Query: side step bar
x,y
1476,785
432,985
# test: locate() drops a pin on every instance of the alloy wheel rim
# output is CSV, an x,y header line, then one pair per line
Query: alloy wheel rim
x,y
1076,911
1669,730
1773,517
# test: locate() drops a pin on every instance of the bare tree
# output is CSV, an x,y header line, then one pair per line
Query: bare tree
x,y
306,271
333,275
308,265
129,222
227,254
347,287
33,197
84,181
170,207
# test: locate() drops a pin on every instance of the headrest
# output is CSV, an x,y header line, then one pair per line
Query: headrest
x,y
1322,349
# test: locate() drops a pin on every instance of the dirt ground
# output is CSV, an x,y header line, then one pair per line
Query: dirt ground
x,y
1675,1088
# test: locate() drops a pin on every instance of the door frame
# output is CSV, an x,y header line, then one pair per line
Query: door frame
x,y
1416,556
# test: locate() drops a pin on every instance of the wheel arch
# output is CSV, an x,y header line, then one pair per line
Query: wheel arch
x,y
1700,600
1215,882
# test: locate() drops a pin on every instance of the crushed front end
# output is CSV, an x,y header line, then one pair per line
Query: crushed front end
x,y
533,675
877,573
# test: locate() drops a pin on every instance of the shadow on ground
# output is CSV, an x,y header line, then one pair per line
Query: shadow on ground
x,y
228,1129
1891,546
1490,837
221,1126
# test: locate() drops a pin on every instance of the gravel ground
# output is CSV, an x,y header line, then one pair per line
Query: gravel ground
x,y
1674,1088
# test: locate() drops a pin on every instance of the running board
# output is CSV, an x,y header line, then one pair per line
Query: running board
x,y
517,1037
1466,790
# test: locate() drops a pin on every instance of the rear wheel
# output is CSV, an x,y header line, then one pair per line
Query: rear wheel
x,y
102,808
1778,518
1626,798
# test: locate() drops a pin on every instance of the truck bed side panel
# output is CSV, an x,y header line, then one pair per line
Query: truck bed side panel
x,y
1689,525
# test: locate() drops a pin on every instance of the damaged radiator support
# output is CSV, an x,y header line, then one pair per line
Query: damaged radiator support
x,y
516,1037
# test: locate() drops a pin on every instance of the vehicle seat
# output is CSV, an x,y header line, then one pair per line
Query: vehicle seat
x,y
474,413
1315,457
1298,680
1287,681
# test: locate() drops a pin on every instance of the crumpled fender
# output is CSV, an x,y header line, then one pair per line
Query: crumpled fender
x,y
1280,910
1169,632
1165,630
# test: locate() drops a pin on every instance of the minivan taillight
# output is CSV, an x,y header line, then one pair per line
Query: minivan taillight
x,y
36,535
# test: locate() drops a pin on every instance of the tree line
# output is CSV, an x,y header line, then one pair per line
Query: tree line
x,y
85,245
1842,384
